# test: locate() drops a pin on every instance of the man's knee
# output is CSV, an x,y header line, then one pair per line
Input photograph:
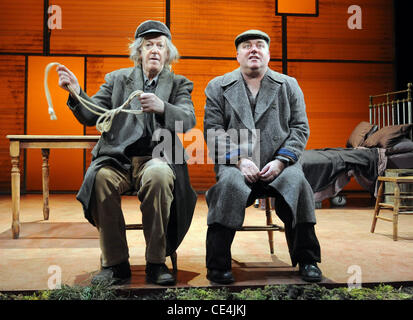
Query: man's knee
x,y
103,178
232,180
159,176
103,175
107,182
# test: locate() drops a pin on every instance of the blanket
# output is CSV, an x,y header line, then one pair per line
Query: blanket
x,y
329,170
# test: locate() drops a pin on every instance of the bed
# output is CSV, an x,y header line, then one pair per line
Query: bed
x,y
385,142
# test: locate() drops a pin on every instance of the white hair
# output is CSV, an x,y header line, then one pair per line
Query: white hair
x,y
135,51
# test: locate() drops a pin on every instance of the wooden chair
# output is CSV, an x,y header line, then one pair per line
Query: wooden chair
x,y
269,227
398,207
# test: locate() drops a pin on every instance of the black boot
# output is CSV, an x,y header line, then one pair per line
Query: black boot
x,y
220,276
158,273
218,253
310,272
113,275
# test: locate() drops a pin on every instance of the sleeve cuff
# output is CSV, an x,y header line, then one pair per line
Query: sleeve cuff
x,y
233,156
285,153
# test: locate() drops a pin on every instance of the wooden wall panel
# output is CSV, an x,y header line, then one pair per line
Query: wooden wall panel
x,y
66,165
102,27
337,97
21,26
208,28
12,74
328,36
336,92
97,68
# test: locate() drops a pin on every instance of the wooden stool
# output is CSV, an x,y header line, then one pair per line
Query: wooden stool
x,y
269,227
397,207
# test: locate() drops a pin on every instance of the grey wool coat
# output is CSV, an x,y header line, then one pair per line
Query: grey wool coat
x,y
175,91
281,121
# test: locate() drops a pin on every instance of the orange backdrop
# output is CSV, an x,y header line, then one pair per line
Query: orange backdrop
x,y
336,67
66,165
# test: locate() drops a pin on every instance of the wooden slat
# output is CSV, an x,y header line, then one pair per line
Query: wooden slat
x,y
12,69
208,28
385,205
336,96
328,36
385,219
102,27
21,26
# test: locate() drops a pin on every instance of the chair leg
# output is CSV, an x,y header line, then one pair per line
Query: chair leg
x,y
377,206
174,258
396,210
269,222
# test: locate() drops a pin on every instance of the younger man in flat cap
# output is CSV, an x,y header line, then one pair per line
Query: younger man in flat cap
x,y
254,97
123,158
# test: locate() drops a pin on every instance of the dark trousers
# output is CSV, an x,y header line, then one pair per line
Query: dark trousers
x,y
302,241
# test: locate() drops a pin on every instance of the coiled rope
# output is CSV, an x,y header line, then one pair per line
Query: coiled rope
x,y
104,122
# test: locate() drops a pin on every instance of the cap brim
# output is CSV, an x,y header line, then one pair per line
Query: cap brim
x,y
153,31
250,36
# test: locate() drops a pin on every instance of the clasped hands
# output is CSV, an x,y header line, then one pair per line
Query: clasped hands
x,y
252,174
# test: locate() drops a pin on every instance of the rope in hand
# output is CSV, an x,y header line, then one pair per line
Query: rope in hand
x,y
104,122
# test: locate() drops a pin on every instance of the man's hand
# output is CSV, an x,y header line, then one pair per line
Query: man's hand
x,y
271,170
249,170
67,77
151,103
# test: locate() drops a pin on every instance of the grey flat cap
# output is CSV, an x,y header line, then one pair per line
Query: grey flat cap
x,y
152,26
251,34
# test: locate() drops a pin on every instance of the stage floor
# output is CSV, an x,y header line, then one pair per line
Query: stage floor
x,y
67,245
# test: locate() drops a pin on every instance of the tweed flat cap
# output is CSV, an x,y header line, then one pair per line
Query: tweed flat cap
x,y
251,34
152,26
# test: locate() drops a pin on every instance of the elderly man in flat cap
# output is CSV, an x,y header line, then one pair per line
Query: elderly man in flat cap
x,y
270,107
124,161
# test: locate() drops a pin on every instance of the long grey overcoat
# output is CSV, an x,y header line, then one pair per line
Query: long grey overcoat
x,y
281,120
175,91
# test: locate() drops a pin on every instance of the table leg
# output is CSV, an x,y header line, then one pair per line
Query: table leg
x,y
15,187
45,181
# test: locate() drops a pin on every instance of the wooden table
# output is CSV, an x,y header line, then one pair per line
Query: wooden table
x,y
45,143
